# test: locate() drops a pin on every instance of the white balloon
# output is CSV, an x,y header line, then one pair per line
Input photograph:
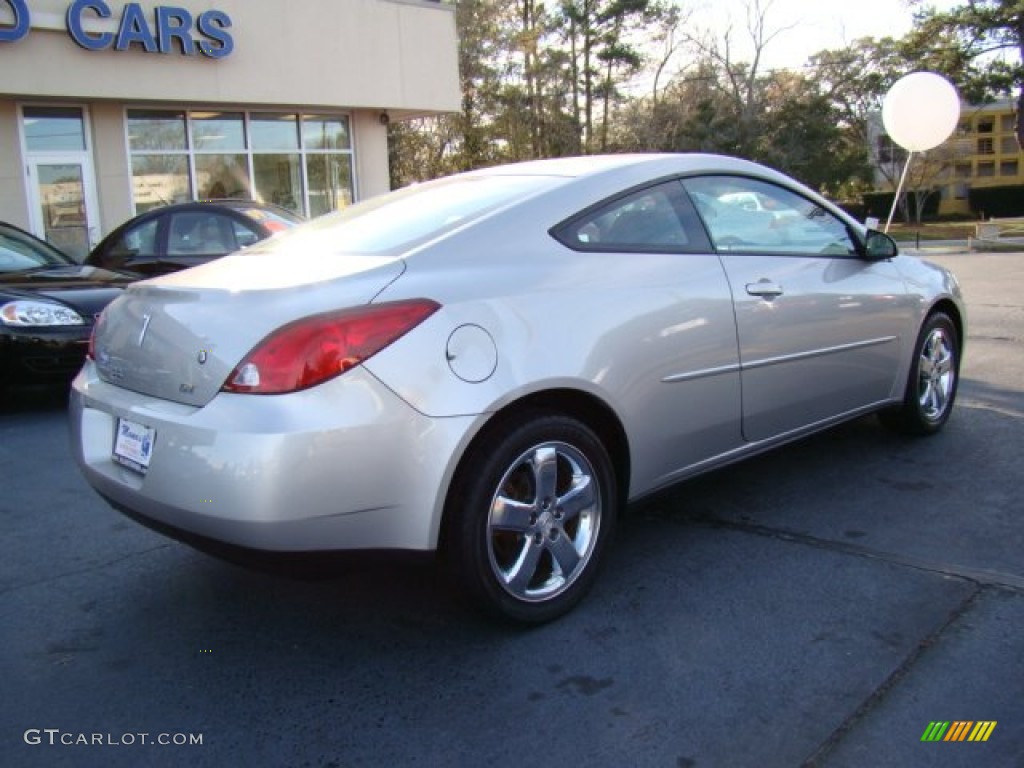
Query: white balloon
x,y
920,111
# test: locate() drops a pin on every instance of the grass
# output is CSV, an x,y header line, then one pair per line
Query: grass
x,y
942,230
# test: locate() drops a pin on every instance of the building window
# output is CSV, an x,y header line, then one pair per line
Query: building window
x,y
54,129
1008,168
986,125
963,170
986,169
985,147
221,160
300,162
328,172
960,191
1008,123
276,160
1008,145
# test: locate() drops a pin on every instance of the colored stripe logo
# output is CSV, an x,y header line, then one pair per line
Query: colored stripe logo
x,y
958,730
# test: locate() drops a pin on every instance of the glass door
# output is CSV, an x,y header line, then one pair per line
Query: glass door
x,y
61,186
62,202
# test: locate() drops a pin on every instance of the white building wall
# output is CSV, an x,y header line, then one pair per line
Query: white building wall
x,y
362,58
13,202
380,54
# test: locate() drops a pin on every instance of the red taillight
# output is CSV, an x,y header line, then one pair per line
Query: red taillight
x,y
91,351
312,350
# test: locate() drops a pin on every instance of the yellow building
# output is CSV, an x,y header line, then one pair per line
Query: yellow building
x,y
985,154
982,154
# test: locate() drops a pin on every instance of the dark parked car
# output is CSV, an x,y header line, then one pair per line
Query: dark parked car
x,y
175,237
48,304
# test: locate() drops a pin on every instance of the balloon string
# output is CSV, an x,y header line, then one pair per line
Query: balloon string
x,y
896,197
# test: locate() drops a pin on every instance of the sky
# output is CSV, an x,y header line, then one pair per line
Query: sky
x,y
808,26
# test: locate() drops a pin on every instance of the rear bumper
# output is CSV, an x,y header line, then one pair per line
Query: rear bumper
x,y
347,465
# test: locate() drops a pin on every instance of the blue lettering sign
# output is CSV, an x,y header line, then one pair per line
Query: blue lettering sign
x,y
174,30
214,24
20,27
174,24
134,29
78,34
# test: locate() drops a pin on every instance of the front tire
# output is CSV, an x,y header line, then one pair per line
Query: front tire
x,y
932,383
530,516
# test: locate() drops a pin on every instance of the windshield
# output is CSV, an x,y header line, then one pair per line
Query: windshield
x,y
395,222
19,252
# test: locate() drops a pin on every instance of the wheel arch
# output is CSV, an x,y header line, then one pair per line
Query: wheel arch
x,y
950,309
583,406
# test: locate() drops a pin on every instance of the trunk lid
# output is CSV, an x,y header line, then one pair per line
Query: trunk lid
x,y
178,337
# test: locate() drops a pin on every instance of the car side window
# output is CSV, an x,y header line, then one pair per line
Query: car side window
x,y
139,240
749,215
200,233
656,219
244,236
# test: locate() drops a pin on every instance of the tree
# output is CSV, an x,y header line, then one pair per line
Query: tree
x,y
536,85
689,114
430,147
803,133
602,51
740,82
853,81
423,149
480,45
979,44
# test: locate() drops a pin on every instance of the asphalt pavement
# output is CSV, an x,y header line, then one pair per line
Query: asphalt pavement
x,y
822,605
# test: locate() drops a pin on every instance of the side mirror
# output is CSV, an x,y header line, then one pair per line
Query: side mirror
x,y
878,246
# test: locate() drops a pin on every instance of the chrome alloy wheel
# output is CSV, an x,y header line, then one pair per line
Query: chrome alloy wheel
x,y
544,521
936,374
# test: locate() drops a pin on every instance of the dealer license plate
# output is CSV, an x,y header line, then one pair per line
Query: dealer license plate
x,y
133,446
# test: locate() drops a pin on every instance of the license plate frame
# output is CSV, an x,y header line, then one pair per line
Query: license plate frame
x,y
133,445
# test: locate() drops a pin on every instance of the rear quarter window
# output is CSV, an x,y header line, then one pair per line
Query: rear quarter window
x,y
657,219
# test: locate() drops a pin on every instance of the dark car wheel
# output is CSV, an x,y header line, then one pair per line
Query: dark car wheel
x,y
530,518
931,385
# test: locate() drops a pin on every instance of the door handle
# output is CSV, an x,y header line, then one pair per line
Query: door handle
x,y
765,288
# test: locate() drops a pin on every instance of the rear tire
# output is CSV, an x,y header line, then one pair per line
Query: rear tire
x,y
530,516
932,382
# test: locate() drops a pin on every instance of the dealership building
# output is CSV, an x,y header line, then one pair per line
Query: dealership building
x,y
109,108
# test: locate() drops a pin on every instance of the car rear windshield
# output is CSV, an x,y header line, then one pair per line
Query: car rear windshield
x,y
395,222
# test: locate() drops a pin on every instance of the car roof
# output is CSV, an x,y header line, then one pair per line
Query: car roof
x,y
590,165
234,204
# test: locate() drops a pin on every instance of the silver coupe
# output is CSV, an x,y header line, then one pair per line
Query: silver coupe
x,y
492,365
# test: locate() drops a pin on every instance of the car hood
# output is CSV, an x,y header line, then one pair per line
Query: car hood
x,y
180,336
87,290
